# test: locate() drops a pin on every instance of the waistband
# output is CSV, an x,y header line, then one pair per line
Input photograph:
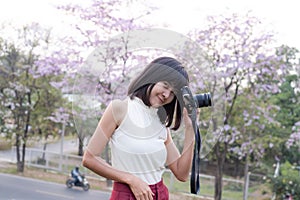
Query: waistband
x,y
122,187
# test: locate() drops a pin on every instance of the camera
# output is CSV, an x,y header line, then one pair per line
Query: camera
x,y
203,100
192,102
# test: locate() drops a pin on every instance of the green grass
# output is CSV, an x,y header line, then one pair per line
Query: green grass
x,y
9,170
231,191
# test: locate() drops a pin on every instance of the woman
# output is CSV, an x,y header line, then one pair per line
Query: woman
x,y
139,131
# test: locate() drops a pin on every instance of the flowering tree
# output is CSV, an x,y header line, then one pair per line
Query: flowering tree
x,y
22,92
286,133
294,141
288,115
97,61
246,64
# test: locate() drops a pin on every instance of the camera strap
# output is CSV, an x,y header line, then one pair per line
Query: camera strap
x,y
191,107
194,180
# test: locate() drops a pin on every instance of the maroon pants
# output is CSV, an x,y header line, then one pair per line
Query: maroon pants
x,y
122,191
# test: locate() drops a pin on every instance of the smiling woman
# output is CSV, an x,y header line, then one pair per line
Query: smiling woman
x,y
139,131
166,72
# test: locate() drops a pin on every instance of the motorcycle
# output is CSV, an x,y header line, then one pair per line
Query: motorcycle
x,y
84,183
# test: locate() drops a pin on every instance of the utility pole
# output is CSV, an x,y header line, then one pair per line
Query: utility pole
x,y
62,145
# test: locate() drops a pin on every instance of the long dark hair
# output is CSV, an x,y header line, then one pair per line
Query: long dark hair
x,y
162,69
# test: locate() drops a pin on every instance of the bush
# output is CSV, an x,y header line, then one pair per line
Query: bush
x,y
288,182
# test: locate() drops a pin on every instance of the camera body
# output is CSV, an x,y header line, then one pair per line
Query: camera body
x,y
193,102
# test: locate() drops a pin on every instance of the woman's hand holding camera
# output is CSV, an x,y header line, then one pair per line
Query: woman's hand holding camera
x,y
189,129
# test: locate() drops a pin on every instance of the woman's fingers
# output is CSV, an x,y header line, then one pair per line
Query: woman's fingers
x,y
148,195
141,190
187,119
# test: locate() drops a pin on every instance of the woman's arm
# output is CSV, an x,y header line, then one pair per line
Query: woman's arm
x,y
110,120
180,165
91,158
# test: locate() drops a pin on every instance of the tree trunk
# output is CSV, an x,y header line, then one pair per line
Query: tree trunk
x,y
19,162
80,147
44,151
42,160
23,155
25,135
20,156
20,167
246,178
219,173
24,119
236,168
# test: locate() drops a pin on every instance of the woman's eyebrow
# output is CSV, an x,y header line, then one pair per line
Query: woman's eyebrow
x,y
173,89
167,85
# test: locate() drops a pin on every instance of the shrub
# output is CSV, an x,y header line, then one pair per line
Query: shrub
x,y
288,182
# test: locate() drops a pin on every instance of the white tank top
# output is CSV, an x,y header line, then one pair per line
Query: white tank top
x,y
137,145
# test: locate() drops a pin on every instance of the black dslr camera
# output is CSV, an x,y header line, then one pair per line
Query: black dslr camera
x,y
193,102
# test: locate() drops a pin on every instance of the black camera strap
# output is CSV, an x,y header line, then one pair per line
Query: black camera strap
x,y
191,107
194,180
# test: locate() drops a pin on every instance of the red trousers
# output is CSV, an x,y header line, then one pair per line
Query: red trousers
x,y
122,191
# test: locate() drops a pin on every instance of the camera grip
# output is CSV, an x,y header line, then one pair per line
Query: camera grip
x,y
189,102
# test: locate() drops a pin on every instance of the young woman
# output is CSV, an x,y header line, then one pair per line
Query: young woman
x,y
139,131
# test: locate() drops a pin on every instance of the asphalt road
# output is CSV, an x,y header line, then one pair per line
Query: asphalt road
x,y
69,146
20,188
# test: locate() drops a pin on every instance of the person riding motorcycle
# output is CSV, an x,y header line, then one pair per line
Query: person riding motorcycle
x,y
76,174
77,179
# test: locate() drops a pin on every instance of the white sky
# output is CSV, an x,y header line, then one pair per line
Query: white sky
x,y
280,16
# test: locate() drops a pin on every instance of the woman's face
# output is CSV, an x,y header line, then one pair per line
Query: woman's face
x,y
161,94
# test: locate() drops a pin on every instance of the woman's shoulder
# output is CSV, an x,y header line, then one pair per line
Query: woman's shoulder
x,y
119,104
119,109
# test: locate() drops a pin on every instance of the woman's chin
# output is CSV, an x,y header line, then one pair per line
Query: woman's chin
x,y
156,105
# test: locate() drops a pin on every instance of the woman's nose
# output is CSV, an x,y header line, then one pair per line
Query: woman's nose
x,y
166,94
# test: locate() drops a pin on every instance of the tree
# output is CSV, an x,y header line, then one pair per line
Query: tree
x,y
105,66
287,101
241,59
21,89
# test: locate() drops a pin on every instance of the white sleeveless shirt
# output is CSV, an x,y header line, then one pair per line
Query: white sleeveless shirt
x,y
137,145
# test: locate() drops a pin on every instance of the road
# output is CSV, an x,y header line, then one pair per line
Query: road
x,y
69,146
20,188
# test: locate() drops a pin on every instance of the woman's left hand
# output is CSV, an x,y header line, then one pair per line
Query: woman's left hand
x,y
181,166
187,120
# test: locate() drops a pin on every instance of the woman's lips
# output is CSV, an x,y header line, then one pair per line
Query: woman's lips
x,y
161,99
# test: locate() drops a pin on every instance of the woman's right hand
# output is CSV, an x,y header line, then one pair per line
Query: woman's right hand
x,y
140,189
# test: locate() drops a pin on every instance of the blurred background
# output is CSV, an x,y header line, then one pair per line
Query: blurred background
x,y
51,95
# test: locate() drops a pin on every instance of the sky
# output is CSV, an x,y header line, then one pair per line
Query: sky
x,y
277,15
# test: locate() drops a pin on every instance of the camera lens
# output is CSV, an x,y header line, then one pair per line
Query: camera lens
x,y
203,100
